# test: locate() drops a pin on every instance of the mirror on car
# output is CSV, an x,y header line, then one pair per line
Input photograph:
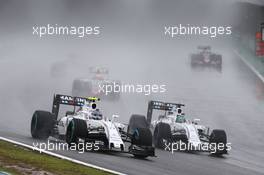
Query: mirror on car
x,y
114,116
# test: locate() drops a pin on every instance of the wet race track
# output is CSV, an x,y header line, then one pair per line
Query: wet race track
x,y
230,100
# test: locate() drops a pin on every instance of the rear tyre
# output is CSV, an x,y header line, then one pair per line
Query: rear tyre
x,y
42,124
162,132
218,137
76,129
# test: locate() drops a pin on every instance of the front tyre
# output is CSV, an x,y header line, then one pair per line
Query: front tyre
x,y
76,129
136,121
142,139
162,132
218,139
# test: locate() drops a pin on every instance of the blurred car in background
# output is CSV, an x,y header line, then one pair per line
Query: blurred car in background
x,y
206,58
93,86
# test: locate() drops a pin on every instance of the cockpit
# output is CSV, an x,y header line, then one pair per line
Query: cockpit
x,y
91,115
89,111
96,115
206,51
177,115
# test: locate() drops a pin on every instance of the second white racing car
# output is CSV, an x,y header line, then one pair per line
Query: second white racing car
x,y
172,127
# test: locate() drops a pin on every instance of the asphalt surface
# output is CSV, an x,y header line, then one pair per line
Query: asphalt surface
x,y
230,100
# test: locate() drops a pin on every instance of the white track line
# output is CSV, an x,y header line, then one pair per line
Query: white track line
x,y
62,157
250,66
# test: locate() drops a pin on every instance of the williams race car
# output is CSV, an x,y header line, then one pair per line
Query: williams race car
x,y
173,127
205,58
88,125
92,86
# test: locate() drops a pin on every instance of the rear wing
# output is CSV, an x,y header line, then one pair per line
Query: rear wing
x,y
158,105
59,99
204,47
99,70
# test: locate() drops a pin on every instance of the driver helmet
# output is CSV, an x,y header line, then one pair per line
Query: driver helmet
x,y
180,118
96,115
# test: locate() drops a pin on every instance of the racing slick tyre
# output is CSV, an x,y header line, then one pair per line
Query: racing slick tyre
x,y
140,134
219,62
136,121
76,129
138,128
42,124
218,138
142,137
162,132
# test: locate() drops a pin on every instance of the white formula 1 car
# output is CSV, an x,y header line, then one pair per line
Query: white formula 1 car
x,y
88,125
173,127
93,86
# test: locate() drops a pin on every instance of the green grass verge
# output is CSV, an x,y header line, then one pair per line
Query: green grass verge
x,y
14,155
